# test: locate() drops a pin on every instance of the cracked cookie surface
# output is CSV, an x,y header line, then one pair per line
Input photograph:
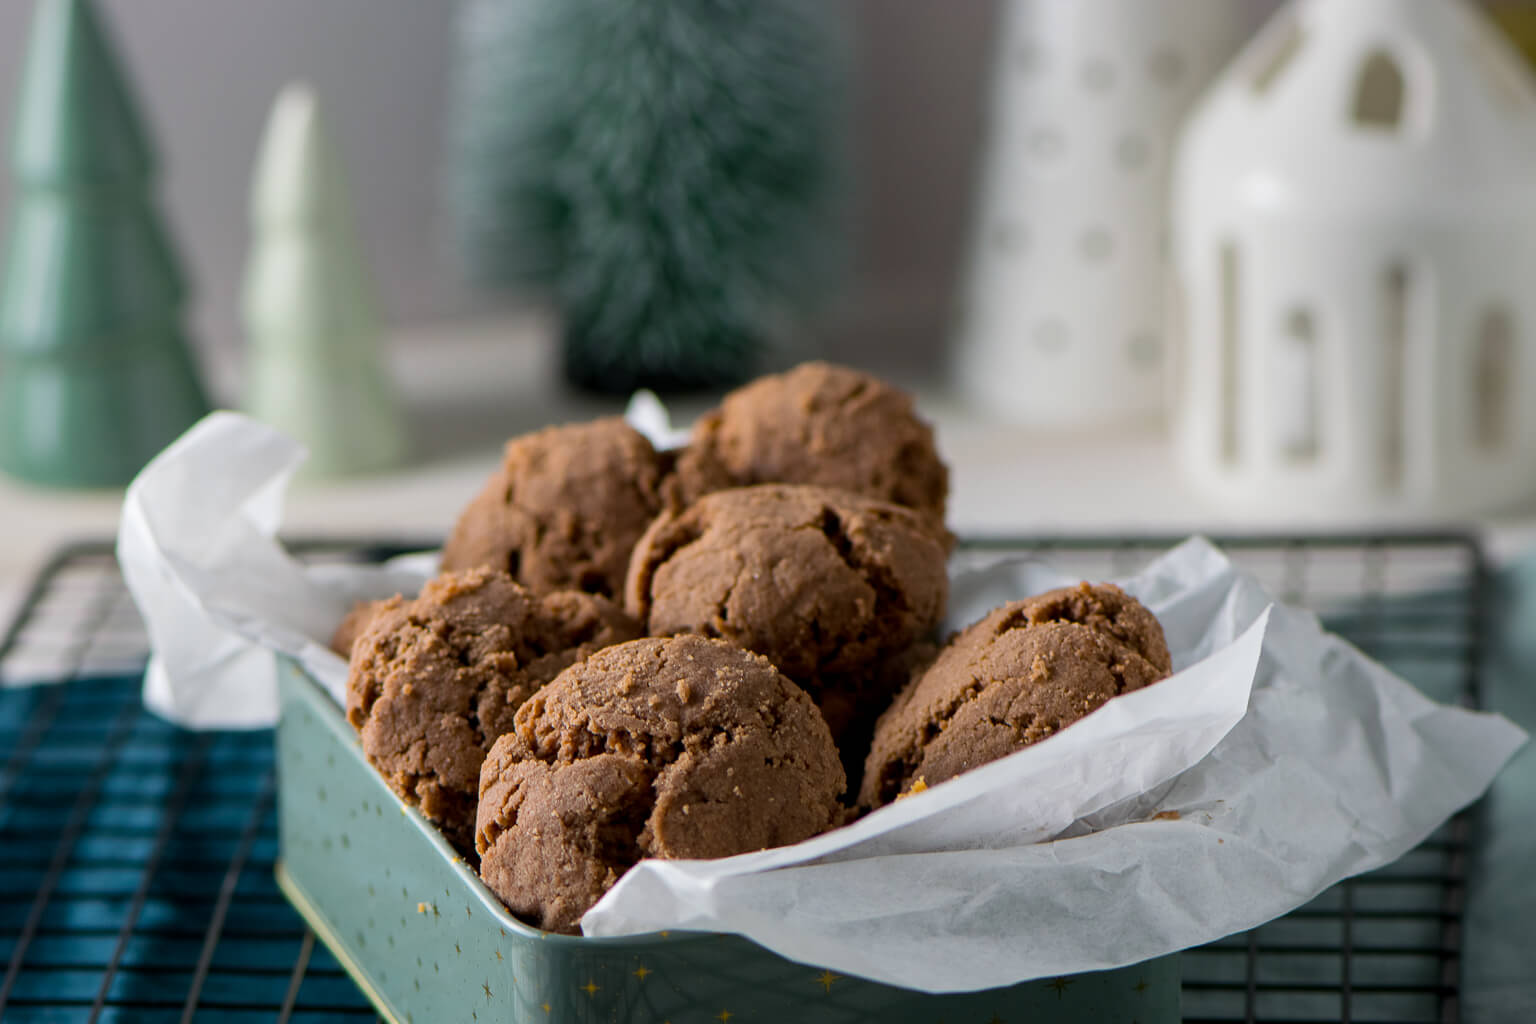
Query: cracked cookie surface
x,y
434,681
824,583
564,509
681,747
1024,672
817,424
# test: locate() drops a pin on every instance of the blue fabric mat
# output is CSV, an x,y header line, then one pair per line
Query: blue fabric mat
x,y
136,871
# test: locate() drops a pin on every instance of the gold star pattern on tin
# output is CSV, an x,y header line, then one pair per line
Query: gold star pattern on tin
x,y
642,971
498,955
457,950
434,910
723,1016
466,912
1061,985
1141,985
827,978
591,988
487,987
546,1007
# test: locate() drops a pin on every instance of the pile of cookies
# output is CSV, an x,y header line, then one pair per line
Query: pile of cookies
x,y
633,653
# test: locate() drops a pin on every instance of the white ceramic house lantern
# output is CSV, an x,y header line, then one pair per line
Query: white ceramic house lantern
x,y
1355,265
1061,313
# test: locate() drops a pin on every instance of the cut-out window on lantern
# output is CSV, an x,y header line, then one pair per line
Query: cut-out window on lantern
x,y
1379,98
1394,362
1277,52
1231,345
1494,354
1294,363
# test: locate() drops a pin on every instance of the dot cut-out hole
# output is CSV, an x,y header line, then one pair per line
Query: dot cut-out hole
x,y
1145,350
1132,152
1009,237
1166,66
1098,75
1046,144
1097,244
1379,91
1052,336
1492,373
1027,58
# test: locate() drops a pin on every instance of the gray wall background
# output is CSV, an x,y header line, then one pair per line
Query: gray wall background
x,y
207,70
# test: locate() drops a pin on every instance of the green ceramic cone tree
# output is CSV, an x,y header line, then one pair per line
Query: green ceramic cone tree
x,y
96,375
314,369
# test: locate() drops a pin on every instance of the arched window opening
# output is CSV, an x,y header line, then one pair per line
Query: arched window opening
x,y
1296,386
1492,371
1395,298
1379,99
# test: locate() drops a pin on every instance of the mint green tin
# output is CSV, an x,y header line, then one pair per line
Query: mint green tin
x,y
428,943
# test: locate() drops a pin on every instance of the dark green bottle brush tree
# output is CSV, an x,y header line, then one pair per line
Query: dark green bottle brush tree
x,y
670,174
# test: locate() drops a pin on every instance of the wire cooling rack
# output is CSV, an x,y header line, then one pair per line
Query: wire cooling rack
x,y
136,859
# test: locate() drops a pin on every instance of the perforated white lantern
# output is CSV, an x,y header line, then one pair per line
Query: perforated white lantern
x,y
1355,256
1062,310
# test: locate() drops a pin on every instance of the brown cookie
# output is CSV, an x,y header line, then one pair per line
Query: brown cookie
x,y
434,681
1017,676
824,583
355,622
817,424
1106,608
683,747
564,510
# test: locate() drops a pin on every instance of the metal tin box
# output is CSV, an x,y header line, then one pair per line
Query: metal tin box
x,y
427,942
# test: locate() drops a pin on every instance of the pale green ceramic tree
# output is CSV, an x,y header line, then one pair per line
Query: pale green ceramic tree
x,y
95,371
314,368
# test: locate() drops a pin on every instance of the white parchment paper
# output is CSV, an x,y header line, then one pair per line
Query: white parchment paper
x,y
1274,762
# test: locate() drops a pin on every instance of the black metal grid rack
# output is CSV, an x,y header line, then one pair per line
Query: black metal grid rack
x,y
136,859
